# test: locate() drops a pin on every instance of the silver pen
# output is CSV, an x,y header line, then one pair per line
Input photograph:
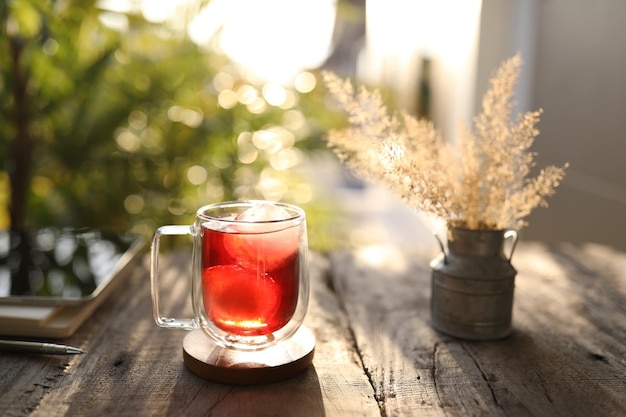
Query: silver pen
x,y
38,347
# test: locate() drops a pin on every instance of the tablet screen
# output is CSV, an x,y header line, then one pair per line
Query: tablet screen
x,y
59,264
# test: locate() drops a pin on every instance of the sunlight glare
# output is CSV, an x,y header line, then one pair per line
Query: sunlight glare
x,y
387,257
158,11
275,38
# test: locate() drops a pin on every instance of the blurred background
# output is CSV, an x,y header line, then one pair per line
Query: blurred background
x,y
130,114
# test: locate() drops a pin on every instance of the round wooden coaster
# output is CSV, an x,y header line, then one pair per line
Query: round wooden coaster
x,y
285,359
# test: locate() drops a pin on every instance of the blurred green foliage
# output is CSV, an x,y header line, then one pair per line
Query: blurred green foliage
x,y
126,129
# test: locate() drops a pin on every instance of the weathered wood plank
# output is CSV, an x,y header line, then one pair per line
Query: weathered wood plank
x,y
387,301
565,358
346,390
376,352
134,368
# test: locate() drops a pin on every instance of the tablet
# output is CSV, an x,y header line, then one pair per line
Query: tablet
x,y
61,267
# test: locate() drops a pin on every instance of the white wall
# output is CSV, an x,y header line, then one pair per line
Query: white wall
x,y
575,55
400,33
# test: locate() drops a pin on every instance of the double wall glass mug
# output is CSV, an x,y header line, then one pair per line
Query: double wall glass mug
x,y
249,281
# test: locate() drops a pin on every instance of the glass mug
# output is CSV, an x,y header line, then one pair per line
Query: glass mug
x,y
250,273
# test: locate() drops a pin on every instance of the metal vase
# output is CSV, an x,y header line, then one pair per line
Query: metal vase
x,y
472,285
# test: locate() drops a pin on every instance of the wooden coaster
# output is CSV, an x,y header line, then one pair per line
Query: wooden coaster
x,y
218,364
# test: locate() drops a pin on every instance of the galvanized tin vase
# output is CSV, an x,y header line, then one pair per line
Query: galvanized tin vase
x,y
472,285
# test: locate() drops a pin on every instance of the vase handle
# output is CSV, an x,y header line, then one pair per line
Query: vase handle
x,y
511,234
443,248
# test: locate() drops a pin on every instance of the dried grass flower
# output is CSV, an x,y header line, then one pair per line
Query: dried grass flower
x,y
482,182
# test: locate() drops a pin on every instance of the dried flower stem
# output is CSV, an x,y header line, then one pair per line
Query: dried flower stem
x,y
481,183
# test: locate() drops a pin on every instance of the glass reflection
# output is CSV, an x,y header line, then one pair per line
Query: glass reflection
x,y
54,262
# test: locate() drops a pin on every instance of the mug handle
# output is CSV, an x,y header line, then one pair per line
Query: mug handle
x,y
170,322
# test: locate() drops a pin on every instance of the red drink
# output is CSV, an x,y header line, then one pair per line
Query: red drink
x,y
250,280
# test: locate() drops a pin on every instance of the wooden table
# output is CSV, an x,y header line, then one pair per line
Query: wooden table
x,y
376,353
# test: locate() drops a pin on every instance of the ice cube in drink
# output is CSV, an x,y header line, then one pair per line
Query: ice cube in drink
x,y
261,240
251,272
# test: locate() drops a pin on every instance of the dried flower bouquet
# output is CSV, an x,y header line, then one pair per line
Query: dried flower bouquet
x,y
482,182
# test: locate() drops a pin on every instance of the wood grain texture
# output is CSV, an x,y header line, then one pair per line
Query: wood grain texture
x,y
565,358
134,368
376,353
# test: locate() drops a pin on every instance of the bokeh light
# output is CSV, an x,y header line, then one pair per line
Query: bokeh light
x,y
227,99
226,117
197,175
134,204
305,82
274,94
